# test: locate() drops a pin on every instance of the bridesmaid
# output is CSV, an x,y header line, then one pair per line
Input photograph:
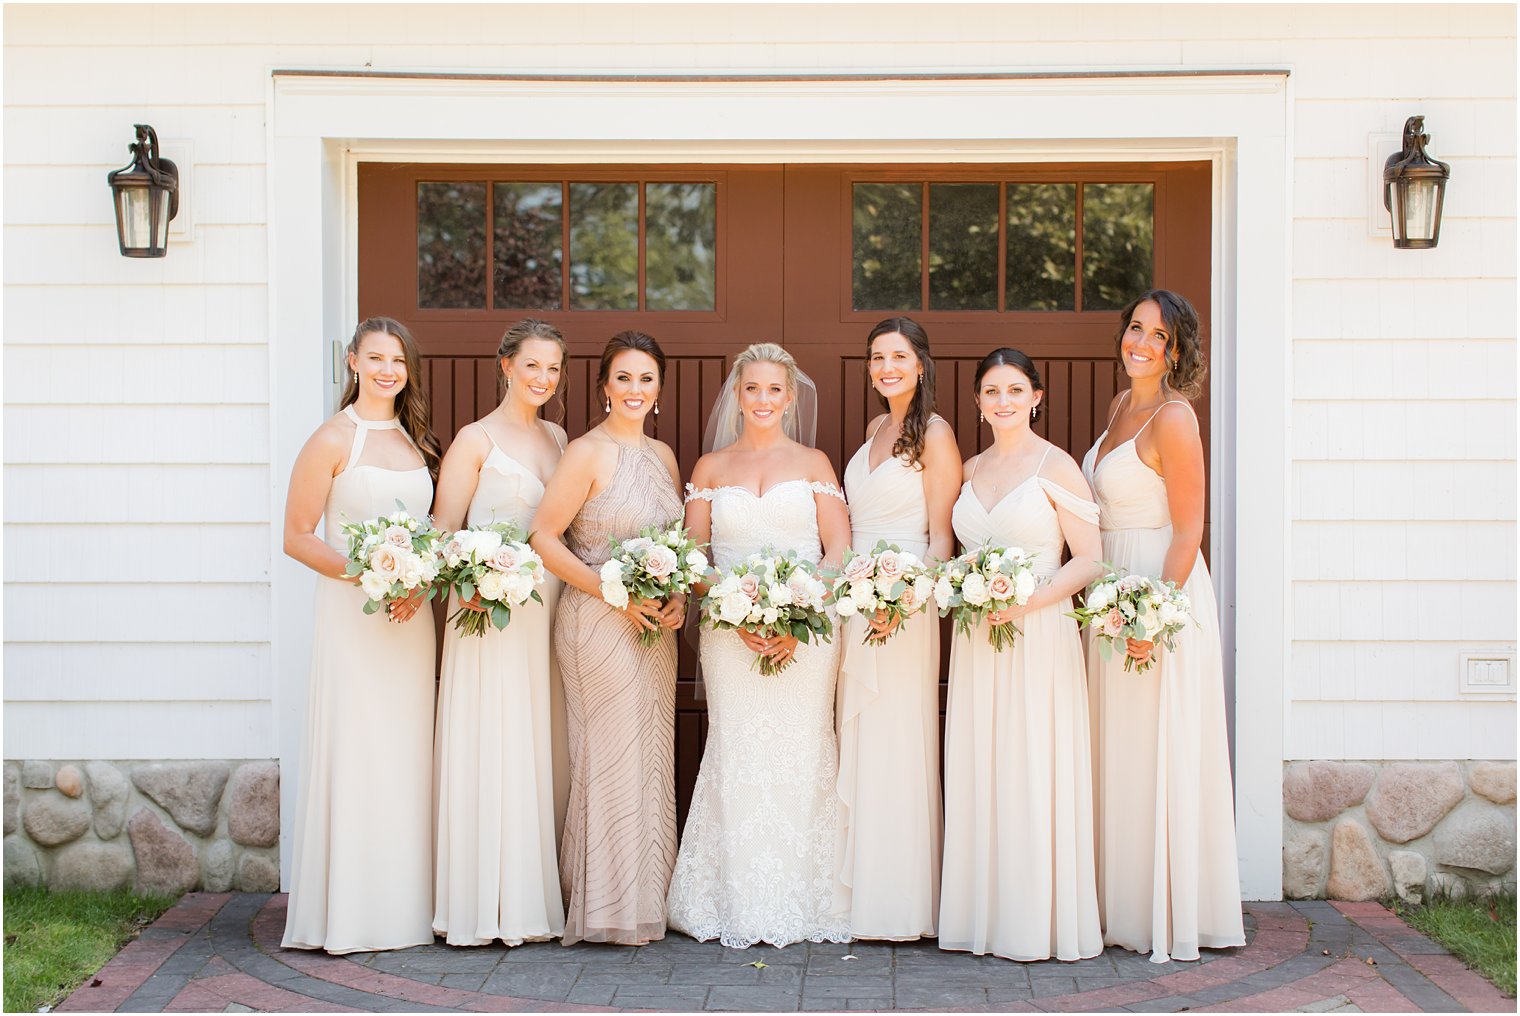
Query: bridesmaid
x,y
1019,879
620,831
497,877
361,871
900,485
1168,876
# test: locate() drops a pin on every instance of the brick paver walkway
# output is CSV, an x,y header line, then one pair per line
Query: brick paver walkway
x,y
221,953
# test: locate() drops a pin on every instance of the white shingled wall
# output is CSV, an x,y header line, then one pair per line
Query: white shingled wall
x,y
137,397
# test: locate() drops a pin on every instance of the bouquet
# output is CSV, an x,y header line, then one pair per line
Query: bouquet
x,y
888,580
393,555
1121,606
494,562
980,582
770,594
655,565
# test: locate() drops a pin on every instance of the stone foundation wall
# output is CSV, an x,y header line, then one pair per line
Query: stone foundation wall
x,y
1370,830
165,827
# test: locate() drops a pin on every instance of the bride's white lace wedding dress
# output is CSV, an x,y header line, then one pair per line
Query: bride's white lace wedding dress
x,y
757,861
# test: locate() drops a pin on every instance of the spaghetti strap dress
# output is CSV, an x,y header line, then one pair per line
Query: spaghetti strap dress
x,y
1168,877
362,864
498,874
888,720
619,842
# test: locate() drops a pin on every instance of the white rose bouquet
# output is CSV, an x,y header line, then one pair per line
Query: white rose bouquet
x,y
394,556
655,565
1121,607
888,579
981,582
495,562
770,594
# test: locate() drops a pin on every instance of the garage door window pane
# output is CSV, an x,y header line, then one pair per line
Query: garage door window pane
x,y
963,238
451,245
680,246
526,245
886,259
1118,243
604,246
1042,246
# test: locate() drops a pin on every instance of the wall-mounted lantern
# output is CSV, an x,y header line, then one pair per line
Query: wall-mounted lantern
x,y
1414,188
146,195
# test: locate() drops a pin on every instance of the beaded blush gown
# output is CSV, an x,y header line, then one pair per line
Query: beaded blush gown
x,y
497,875
1018,875
1168,877
361,866
758,852
619,841
888,721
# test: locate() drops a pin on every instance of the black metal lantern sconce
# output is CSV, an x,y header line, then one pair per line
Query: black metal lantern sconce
x,y
146,195
1414,188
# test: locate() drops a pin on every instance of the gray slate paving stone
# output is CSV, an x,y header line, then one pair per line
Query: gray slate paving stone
x,y
1046,987
1174,1003
662,996
591,994
938,996
847,1004
464,982
639,973
838,966
735,998
1009,994
428,960
847,987
548,981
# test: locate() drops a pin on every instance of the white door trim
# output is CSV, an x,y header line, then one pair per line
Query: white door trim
x,y
321,126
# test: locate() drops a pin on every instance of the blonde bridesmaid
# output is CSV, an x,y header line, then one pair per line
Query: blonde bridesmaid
x,y
900,484
362,863
619,841
497,874
1168,876
1019,874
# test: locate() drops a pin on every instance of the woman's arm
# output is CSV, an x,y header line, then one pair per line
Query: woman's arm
x,y
1180,451
311,478
942,485
1082,540
458,477
833,514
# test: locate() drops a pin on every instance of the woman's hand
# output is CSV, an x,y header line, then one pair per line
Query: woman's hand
x,y
645,614
402,611
779,648
473,603
673,613
1139,651
1007,614
882,626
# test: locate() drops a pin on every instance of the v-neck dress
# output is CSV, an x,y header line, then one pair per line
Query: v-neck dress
x,y
1168,878
497,871
1018,870
888,721
361,865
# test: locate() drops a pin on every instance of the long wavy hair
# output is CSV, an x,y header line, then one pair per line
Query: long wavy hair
x,y
910,440
1186,368
511,343
412,409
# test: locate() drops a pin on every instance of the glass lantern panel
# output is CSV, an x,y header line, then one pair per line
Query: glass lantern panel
x,y
1118,243
1419,208
963,246
136,217
451,244
161,220
1042,246
680,246
886,259
604,246
527,245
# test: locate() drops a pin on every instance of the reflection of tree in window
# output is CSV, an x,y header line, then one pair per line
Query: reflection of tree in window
x,y
451,245
1118,237
886,259
526,245
680,246
604,246
1042,246
963,255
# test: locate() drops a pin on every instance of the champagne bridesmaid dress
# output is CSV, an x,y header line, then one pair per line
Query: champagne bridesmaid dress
x,y
1019,872
620,831
361,869
1168,877
888,721
497,873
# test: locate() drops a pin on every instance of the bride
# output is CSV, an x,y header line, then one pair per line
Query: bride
x,y
756,862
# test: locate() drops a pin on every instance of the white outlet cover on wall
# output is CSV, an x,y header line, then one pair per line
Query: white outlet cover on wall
x,y
1487,673
181,152
1379,147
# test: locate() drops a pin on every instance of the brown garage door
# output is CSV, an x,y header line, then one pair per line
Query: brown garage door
x,y
711,258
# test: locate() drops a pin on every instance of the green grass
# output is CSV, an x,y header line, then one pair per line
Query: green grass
x,y
53,941
1478,931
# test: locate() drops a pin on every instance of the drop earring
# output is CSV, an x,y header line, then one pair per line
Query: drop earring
x,y
509,382
356,377
608,407
656,409
981,417
1034,413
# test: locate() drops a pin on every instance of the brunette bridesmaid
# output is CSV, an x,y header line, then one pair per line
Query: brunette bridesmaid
x,y
497,874
1019,880
361,874
1168,876
620,830
900,484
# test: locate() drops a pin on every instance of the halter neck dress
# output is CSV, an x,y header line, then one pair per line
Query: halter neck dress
x,y
1018,876
1168,877
888,720
497,870
362,864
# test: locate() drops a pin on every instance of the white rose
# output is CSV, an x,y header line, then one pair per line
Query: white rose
x,y
727,587
386,561
660,562
923,588
1024,587
519,587
697,561
487,543
734,607
493,586
769,615
974,589
1101,596
615,595
943,589
779,595
863,592
1169,614
884,584
994,559
398,536
612,572
846,607
374,585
